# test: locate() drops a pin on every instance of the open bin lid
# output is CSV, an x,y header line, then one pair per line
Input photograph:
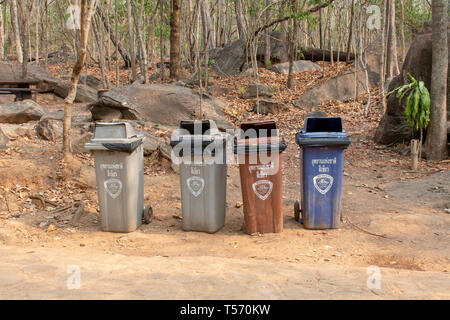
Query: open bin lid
x,y
192,134
323,132
114,136
264,138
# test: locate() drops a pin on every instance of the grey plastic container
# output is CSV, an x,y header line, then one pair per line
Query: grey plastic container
x,y
119,170
203,185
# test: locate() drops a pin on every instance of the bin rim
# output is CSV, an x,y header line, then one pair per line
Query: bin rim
x,y
322,139
250,148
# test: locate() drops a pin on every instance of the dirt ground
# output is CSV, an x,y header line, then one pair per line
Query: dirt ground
x,y
393,218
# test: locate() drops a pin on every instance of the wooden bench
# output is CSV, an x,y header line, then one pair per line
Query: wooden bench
x,y
22,88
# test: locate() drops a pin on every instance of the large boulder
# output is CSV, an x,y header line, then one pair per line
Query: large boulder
x,y
3,140
158,103
279,51
47,83
228,60
20,112
261,90
394,127
342,87
297,66
268,106
84,92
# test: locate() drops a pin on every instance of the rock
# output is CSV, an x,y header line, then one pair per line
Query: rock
x,y
316,114
84,92
263,91
269,106
106,114
193,81
342,87
158,103
3,140
86,177
228,60
49,129
78,141
91,81
278,48
394,127
297,66
221,91
151,144
166,150
20,112
14,131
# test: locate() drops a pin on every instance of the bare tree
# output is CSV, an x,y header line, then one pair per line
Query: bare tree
x,y
239,22
436,141
85,23
15,23
175,63
131,40
392,55
2,35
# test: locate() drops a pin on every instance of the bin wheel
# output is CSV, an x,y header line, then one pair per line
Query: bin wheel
x,y
147,217
297,211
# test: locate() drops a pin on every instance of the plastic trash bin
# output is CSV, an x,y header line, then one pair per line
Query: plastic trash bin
x,y
259,156
322,142
201,148
119,170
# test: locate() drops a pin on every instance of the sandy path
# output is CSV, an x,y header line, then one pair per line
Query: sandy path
x,y
41,273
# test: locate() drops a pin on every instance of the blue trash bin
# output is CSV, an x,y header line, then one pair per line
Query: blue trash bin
x,y
322,142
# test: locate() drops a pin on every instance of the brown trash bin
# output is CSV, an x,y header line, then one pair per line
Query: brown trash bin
x,y
259,156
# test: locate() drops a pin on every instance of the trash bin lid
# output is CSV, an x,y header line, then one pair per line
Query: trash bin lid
x,y
265,138
196,135
323,132
114,136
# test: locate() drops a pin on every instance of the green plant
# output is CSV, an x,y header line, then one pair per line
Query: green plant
x,y
418,102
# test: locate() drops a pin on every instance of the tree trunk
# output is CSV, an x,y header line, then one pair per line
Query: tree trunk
x,y
392,56
208,31
350,31
2,36
131,41
402,31
383,57
101,57
115,38
85,23
175,61
240,24
267,39
436,141
15,23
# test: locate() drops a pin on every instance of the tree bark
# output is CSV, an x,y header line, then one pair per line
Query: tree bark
x,y
175,61
208,31
392,55
350,31
267,53
436,141
240,24
115,39
15,23
2,35
131,41
85,23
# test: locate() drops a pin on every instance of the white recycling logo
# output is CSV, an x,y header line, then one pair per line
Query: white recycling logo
x,y
323,183
262,188
113,187
195,185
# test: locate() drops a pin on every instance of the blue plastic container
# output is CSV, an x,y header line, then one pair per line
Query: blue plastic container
x,y
322,143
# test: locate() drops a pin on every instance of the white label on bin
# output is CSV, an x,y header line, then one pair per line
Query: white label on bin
x,y
323,183
195,185
262,188
113,187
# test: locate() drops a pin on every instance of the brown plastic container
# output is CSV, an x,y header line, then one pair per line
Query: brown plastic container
x,y
261,178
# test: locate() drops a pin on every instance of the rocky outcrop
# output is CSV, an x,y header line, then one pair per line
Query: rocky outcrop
x,y
84,92
257,90
342,87
297,66
394,127
157,103
268,106
20,112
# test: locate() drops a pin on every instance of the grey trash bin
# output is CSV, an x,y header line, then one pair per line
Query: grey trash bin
x,y
203,180
119,170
